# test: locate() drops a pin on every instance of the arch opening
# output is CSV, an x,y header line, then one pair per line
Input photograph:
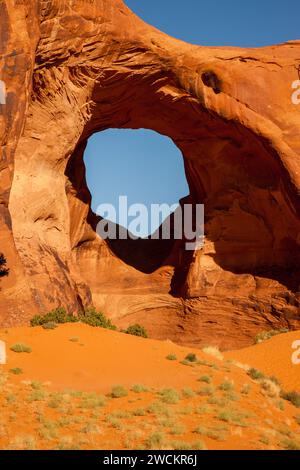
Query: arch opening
x,y
136,178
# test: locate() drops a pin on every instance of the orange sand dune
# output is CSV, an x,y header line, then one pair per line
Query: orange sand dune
x,y
97,360
212,404
273,357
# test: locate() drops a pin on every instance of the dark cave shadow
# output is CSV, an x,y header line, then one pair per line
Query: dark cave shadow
x,y
144,254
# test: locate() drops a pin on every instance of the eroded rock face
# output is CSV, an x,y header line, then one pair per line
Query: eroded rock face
x,y
75,68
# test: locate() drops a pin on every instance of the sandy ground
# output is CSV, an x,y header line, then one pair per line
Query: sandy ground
x,y
212,404
273,357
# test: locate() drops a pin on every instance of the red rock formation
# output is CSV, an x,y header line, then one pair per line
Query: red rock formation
x,y
75,68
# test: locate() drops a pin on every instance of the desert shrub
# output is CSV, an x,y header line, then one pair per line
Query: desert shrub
x,y
293,397
226,386
155,440
205,378
290,444
20,348
181,445
206,391
91,401
177,429
139,412
215,434
136,330
188,393
171,357
255,374
37,395
16,371
169,396
191,357
118,392
51,325
265,335
159,409
138,388
233,416
297,418
93,318
270,388
58,315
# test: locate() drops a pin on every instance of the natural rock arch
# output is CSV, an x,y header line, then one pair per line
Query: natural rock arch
x,y
88,66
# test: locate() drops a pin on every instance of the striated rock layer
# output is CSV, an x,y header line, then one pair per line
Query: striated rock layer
x,y
77,67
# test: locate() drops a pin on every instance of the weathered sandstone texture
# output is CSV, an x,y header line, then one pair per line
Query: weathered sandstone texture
x,y
76,67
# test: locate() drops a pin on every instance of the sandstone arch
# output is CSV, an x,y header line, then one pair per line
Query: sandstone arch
x,y
82,67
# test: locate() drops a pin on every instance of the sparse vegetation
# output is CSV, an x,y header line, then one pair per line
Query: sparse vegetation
x,y
293,397
20,348
205,378
138,388
215,434
92,401
159,409
226,386
206,391
255,374
155,441
118,392
57,316
265,335
181,445
270,388
49,326
191,357
97,319
233,417
188,393
16,371
290,444
169,396
136,330
171,357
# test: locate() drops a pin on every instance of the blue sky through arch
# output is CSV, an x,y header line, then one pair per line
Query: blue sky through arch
x,y
141,164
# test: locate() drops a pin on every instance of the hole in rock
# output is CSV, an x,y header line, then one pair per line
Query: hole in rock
x,y
147,169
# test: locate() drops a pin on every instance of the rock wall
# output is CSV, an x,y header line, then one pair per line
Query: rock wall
x,y
73,68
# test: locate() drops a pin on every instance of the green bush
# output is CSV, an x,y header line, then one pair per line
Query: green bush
x,y
171,357
16,371
293,397
118,392
58,315
136,330
20,348
191,357
49,326
265,335
169,396
255,374
93,318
